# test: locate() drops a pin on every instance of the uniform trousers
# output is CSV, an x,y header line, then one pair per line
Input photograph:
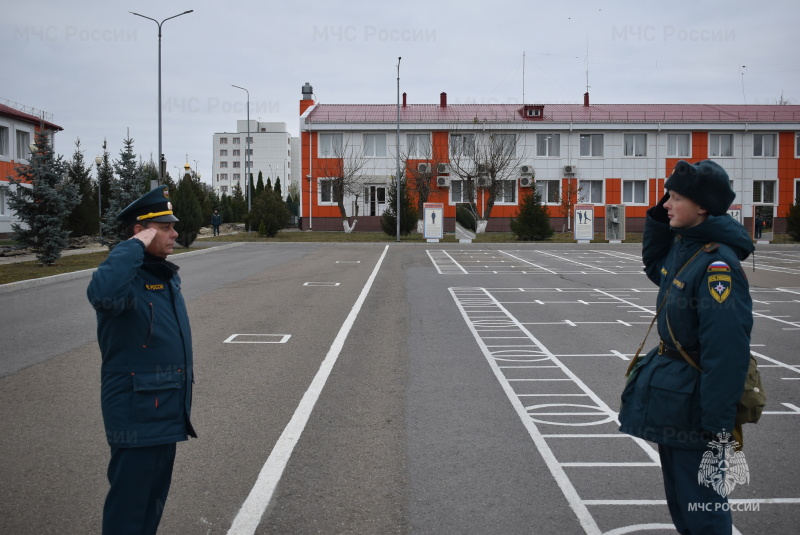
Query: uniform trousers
x,y
695,509
140,480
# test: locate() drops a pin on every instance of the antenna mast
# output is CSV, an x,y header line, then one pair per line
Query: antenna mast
x,y
523,77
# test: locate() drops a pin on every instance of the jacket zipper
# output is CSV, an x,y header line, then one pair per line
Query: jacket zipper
x,y
152,321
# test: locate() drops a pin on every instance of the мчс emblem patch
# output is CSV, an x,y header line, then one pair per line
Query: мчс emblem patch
x,y
720,287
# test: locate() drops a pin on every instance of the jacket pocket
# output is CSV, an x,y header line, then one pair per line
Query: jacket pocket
x,y
156,396
671,404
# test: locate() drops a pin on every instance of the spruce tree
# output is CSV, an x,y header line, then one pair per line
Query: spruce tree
x,y
127,188
259,185
532,221
84,219
270,211
106,183
408,212
43,203
277,188
186,207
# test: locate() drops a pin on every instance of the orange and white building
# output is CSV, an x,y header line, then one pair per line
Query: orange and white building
x,y
18,127
598,154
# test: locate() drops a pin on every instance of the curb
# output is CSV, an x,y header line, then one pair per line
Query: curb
x,y
44,281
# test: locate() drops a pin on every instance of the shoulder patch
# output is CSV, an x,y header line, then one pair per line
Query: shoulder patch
x,y
664,271
719,267
720,286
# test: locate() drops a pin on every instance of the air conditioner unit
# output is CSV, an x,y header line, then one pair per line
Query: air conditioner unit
x,y
526,182
442,169
443,181
483,168
526,169
424,167
570,169
484,181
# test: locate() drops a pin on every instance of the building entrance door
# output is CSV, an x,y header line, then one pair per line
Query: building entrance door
x,y
375,198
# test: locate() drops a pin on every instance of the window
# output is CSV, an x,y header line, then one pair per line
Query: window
x,y
505,144
327,191
2,201
720,145
462,145
223,189
374,144
796,199
237,176
223,165
223,141
636,145
419,146
590,191
237,164
462,191
330,145
506,192
236,152
591,144
796,145
223,152
223,176
23,145
678,145
548,144
236,141
633,191
4,141
548,190
764,191
764,145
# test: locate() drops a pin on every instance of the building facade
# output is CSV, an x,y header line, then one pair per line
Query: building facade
x,y
600,155
18,127
270,152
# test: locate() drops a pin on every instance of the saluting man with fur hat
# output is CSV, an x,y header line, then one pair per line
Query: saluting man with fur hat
x,y
692,249
147,372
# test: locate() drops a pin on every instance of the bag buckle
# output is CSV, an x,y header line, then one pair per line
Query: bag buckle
x,y
661,347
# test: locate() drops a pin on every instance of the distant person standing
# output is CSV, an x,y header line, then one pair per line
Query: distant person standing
x,y
147,372
216,221
759,225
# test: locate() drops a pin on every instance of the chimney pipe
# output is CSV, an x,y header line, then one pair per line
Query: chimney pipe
x,y
586,100
443,99
404,99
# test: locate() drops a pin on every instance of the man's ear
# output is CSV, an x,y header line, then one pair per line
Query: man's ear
x,y
137,228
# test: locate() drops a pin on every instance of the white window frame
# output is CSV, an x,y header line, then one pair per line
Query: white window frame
x,y
375,145
797,144
548,145
462,145
588,197
594,145
325,187
759,145
674,149
223,165
760,193
633,152
418,146
459,186
5,142
796,199
506,192
330,144
631,199
223,141
549,190
714,148
3,200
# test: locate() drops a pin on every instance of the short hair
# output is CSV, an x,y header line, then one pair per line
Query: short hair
x,y
129,229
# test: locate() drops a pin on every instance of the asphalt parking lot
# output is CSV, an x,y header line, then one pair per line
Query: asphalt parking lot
x,y
401,388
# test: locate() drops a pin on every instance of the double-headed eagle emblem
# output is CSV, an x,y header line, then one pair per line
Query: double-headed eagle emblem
x,y
722,467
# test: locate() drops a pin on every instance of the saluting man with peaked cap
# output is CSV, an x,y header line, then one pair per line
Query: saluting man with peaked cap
x,y
147,371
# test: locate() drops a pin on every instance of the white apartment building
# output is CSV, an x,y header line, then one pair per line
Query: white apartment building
x,y
271,153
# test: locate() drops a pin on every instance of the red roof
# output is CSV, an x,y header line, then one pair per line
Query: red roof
x,y
556,113
27,117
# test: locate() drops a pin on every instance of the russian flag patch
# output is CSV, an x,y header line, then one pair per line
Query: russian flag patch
x,y
719,267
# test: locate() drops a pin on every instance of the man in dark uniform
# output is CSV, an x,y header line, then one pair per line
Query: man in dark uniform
x,y
147,372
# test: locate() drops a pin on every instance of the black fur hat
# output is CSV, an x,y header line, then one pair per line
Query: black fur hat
x,y
706,183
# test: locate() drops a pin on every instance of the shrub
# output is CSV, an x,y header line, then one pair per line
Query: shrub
x,y
532,221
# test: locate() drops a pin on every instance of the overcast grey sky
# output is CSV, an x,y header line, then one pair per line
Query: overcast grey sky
x,y
94,66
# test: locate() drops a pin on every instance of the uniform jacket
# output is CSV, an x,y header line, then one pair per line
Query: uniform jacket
x,y
216,220
146,344
710,312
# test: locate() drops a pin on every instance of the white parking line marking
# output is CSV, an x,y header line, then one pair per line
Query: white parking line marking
x,y
257,339
249,516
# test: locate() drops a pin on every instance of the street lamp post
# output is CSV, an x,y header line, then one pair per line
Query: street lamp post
x,y
160,150
247,149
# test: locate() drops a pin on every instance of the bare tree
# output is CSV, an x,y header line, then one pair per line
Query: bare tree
x,y
342,176
484,161
419,177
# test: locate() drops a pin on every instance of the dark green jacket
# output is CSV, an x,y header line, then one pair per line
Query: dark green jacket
x,y
146,344
711,315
